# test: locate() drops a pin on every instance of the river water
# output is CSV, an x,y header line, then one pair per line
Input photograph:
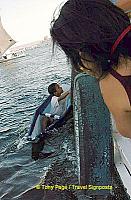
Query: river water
x,y
23,86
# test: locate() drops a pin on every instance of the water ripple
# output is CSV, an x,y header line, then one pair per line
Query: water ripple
x,y
23,86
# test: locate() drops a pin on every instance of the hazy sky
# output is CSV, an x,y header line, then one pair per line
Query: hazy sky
x,y
27,20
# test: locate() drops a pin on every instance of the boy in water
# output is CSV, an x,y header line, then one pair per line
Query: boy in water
x,y
58,103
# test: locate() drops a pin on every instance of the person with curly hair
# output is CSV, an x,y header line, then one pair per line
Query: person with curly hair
x,y
96,37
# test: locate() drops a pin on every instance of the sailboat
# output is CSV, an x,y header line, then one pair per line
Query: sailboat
x,y
5,40
5,43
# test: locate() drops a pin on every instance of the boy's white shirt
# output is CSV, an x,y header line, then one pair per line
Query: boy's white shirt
x,y
54,105
57,108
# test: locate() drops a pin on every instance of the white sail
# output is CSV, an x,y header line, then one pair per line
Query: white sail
x,y
5,40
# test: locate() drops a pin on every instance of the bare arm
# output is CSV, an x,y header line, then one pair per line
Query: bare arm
x,y
117,102
63,95
124,4
123,122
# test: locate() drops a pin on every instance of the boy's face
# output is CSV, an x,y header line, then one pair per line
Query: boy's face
x,y
58,91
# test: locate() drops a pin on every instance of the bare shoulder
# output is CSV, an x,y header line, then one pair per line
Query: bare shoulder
x,y
114,94
125,5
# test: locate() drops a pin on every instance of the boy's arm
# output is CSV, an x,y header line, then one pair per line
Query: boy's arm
x,y
63,95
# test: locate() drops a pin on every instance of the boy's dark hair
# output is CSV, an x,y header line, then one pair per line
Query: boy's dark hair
x,y
51,88
92,27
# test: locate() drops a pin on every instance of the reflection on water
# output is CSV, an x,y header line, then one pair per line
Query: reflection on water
x,y
23,86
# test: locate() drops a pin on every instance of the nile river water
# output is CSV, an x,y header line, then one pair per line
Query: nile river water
x,y
23,86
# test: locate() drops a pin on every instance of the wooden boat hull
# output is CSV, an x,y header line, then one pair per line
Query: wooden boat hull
x,y
94,144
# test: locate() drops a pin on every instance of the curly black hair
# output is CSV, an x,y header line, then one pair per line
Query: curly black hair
x,y
52,88
91,27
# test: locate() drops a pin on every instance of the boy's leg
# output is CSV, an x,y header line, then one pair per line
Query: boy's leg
x,y
44,123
